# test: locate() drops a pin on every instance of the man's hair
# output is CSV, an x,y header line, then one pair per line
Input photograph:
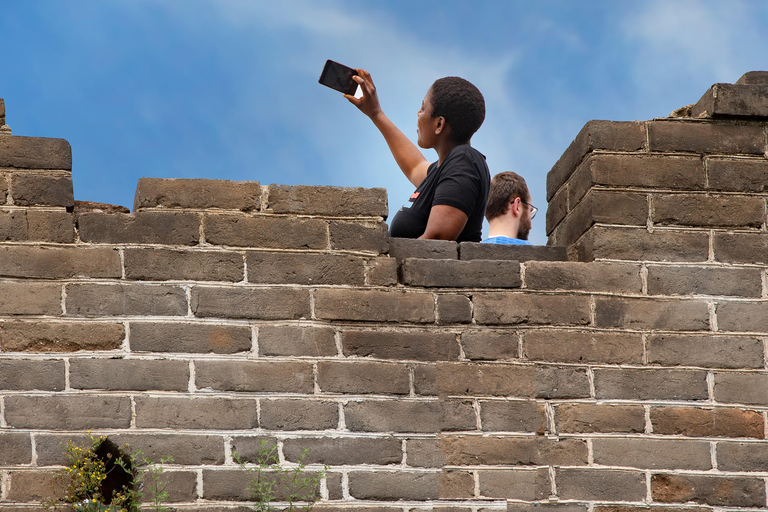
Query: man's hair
x,y
461,104
505,187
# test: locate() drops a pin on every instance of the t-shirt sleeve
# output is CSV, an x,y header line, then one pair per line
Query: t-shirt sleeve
x,y
459,185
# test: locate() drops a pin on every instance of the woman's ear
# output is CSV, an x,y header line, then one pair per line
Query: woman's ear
x,y
440,125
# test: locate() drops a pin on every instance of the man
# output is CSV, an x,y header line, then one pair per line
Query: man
x,y
509,211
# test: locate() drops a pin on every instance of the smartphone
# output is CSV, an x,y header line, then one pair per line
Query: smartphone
x,y
339,77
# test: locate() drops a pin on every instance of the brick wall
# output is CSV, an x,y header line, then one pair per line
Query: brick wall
x,y
425,375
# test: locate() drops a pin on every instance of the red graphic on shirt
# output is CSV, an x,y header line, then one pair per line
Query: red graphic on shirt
x,y
415,195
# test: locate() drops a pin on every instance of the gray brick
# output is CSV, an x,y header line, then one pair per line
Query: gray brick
x,y
181,486
265,231
454,309
68,412
257,303
149,227
340,201
600,484
189,338
563,507
411,345
461,274
197,193
254,376
741,388
583,347
394,485
557,209
606,207
700,422
592,277
650,384
344,451
589,418
35,153
361,377
711,490
129,374
738,174
255,449
742,316
741,247
36,225
41,336
374,305
33,189
733,100
637,244
288,414
30,298
147,264
531,309
478,251
742,456
30,485
424,453
678,280
456,484
59,262
27,375
196,413
418,416
507,380
490,345
705,137
425,379
303,268
637,313
403,248
232,484
512,416
707,351
708,210
125,299
288,340
15,448
466,450
356,236
653,453
382,271
185,449
515,484
561,382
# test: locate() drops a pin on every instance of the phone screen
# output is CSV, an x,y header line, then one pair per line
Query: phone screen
x,y
339,77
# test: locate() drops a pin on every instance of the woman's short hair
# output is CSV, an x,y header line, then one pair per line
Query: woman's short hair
x,y
505,188
461,104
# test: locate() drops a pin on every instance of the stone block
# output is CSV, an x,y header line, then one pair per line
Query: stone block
x,y
35,153
637,244
489,379
741,247
517,484
356,236
45,336
737,174
561,382
596,135
461,274
742,456
599,418
650,384
290,340
333,201
453,309
185,449
181,486
478,251
189,338
30,485
149,264
59,262
640,313
530,309
425,379
254,376
299,414
741,388
197,194
424,453
711,490
15,448
233,485
150,227
256,303
708,211
196,413
699,422
456,484
600,484
583,347
486,345
688,280
707,351
125,299
564,507
344,451
653,453
381,272
28,375
265,231
255,449
68,412
753,78
394,485
374,305
30,298
705,137
417,416
362,377
36,226
403,248
557,208
742,316
512,416
461,450
29,189
584,277
334,485
129,374
733,100
304,268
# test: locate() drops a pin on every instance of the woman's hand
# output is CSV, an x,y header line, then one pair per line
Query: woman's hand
x,y
369,102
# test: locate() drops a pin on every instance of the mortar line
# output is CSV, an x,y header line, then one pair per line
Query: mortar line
x,y
255,348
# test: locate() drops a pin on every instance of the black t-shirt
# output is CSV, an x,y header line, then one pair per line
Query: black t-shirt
x,y
461,181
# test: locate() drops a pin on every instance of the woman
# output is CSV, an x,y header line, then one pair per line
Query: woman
x,y
451,194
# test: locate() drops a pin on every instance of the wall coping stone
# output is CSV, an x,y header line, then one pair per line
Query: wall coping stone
x,y
733,100
478,251
35,153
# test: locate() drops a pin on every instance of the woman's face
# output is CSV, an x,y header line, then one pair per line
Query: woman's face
x,y
425,125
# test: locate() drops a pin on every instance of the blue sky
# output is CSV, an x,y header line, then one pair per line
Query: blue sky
x,y
228,89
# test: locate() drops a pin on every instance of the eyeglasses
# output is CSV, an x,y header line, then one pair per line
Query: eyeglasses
x,y
533,209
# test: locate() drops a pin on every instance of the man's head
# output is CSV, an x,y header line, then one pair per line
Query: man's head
x,y
461,104
509,197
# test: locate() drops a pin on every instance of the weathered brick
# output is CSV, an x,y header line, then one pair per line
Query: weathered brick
x,y
344,451
741,247
41,336
589,418
583,347
662,508
257,303
561,382
68,412
592,277
189,337
461,274
557,208
288,414
394,485
125,299
513,451
340,201
30,485
738,174
15,448
183,448
197,193
742,316
147,264
28,189
652,453
708,351
490,345
233,485
512,416
638,313
334,485
596,135
303,268
424,453
417,416
360,377
180,486
356,236
563,507
742,456
486,379
708,211
741,388
25,374
35,153
129,374
532,309
196,413
381,272
456,484
149,227
375,305
753,78
705,137
3,188
650,384
637,244
733,100
698,422
519,484
254,376
687,280
478,251
600,484
453,309
30,298
59,262
606,207
425,379
412,345
255,449
265,231
289,340
712,490
36,225
403,248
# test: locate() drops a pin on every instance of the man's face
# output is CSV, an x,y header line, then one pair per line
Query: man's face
x,y
525,221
